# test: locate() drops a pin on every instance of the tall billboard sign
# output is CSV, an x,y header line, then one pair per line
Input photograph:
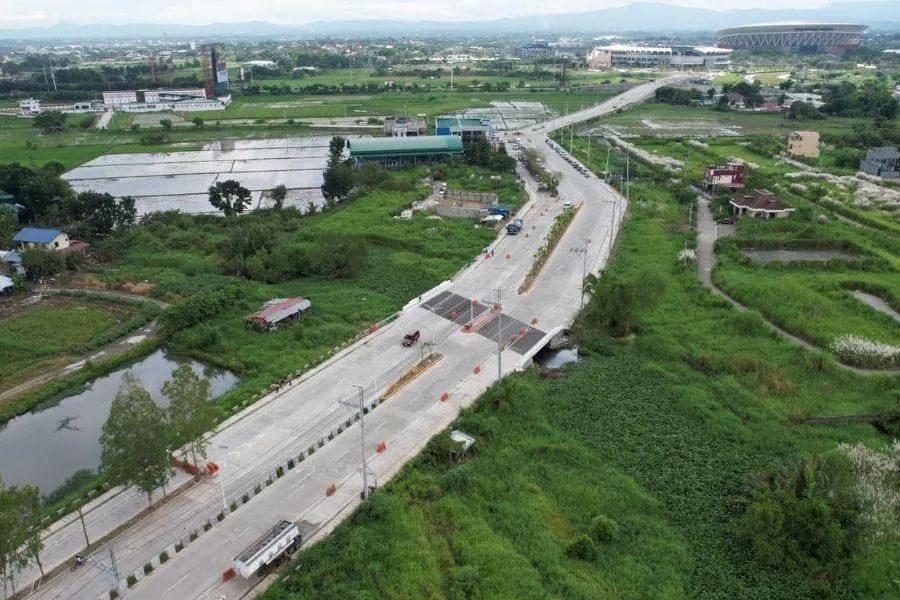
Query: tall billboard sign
x,y
214,68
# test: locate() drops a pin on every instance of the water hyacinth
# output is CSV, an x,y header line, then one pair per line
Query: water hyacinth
x,y
687,255
876,475
865,353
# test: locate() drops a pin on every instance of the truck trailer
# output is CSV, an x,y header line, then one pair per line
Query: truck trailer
x,y
277,543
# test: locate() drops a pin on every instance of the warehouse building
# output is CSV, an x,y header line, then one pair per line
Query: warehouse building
x,y
465,128
120,98
401,151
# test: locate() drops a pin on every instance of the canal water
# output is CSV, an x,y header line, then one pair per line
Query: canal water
x,y
554,359
46,447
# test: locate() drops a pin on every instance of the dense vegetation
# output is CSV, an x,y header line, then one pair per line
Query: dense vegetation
x,y
663,433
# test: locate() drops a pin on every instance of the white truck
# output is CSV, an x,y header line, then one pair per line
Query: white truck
x,y
277,543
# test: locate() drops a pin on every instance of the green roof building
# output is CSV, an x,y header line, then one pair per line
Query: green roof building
x,y
405,150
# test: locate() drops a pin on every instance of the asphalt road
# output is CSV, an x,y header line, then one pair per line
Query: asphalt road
x,y
263,437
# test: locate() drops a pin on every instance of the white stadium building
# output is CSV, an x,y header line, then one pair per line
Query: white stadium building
x,y
793,37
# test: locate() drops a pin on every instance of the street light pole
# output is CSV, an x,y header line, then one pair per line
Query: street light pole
x,y
499,337
221,476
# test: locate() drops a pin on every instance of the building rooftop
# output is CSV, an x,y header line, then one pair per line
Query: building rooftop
x,y
276,310
35,235
760,200
423,144
461,122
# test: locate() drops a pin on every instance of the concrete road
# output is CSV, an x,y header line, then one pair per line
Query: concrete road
x,y
253,444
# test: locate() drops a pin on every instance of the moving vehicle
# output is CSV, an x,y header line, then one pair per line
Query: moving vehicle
x,y
276,544
515,227
410,338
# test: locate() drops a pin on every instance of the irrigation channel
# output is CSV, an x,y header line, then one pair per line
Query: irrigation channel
x,y
47,446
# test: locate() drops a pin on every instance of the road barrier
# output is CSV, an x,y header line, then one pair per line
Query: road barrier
x,y
330,490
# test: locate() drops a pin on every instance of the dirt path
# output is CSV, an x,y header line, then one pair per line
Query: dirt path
x,y
706,260
147,332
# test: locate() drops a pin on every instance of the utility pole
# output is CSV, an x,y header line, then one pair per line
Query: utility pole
x,y
112,570
589,151
360,405
221,477
606,172
627,180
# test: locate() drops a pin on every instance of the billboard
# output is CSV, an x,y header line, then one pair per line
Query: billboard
x,y
221,67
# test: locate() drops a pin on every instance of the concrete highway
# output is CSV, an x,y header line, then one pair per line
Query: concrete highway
x,y
254,443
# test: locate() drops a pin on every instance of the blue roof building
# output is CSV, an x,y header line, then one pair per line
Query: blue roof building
x,y
36,237
465,128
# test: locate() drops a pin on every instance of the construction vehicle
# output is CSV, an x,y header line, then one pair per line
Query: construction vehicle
x,y
276,544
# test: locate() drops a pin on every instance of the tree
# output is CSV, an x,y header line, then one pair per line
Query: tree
x,y
246,241
133,444
340,256
278,194
336,147
803,110
50,121
87,121
191,414
40,262
166,124
198,122
337,181
20,535
614,301
229,196
100,213
9,225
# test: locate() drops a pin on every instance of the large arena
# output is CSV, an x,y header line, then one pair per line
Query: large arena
x,y
793,37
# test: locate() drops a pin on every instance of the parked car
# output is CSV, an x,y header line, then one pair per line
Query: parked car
x,y
515,227
411,338
725,221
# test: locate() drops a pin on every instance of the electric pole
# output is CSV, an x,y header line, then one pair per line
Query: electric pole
x,y
360,405
499,337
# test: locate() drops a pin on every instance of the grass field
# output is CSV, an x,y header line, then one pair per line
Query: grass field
x,y
679,121
187,255
39,337
657,432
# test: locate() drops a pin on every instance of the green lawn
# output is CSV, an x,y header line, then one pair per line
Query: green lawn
x,y
657,432
53,333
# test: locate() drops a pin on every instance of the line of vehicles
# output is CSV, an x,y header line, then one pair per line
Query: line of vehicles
x,y
569,159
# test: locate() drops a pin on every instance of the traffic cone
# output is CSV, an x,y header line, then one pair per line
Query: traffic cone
x,y
477,369
381,447
445,396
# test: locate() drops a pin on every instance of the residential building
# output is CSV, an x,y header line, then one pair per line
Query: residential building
x,y
119,99
466,128
881,162
32,107
405,150
405,127
803,144
760,204
813,99
35,237
736,101
278,311
724,177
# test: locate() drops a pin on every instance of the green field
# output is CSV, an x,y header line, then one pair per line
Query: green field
x,y
54,332
657,432
188,256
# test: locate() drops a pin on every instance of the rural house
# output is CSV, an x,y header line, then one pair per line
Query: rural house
x,y
804,144
759,204
882,162
728,177
277,311
35,237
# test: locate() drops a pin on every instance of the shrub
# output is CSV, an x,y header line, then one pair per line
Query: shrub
x,y
582,548
207,526
131,581
279,472
220,517
604,529
148,568
865,353
163,557
373,509
193,536
257,488
245,498
179,547
459,478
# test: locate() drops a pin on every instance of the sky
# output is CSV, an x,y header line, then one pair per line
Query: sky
x,y
40,13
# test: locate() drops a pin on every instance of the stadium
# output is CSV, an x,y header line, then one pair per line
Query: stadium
x,y
793,37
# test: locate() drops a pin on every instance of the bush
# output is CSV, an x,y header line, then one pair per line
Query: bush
x,y
459,478
604,529
373,509
148,568
582,548
801,517
131,581
279,472
163,557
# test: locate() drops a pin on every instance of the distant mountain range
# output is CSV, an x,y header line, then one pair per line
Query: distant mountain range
x,y
637,17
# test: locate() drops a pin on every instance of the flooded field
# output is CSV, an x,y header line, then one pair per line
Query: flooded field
x,y
180,180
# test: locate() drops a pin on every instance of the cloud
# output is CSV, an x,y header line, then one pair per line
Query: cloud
x,y
37,15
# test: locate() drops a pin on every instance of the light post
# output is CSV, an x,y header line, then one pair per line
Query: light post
x,y
219,448
583,252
